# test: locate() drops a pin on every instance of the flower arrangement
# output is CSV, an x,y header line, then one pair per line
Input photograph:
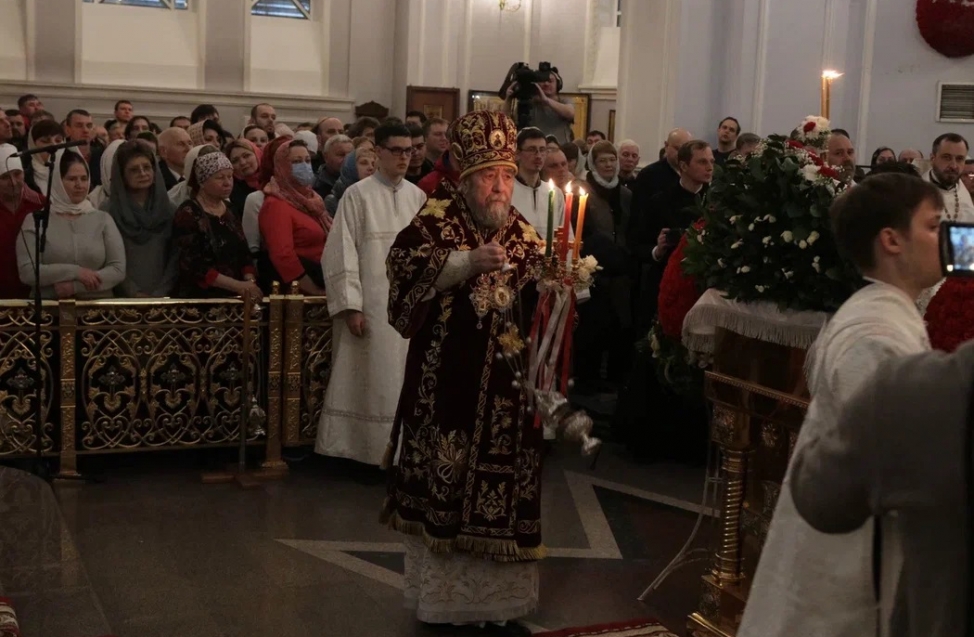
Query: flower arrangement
x,y
678,292
676,367
767,235
814,132
950,315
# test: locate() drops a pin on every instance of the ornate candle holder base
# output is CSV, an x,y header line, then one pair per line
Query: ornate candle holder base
x,y
576,425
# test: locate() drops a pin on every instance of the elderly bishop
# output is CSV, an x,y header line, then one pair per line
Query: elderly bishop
x,y
466,488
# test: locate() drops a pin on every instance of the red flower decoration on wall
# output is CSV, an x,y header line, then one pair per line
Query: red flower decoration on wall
x,y
950,315
678,292
947,26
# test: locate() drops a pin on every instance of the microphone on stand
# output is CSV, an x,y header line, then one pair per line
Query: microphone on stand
x,y
49,149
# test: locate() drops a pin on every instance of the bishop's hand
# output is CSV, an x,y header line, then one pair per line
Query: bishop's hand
x,y
488,258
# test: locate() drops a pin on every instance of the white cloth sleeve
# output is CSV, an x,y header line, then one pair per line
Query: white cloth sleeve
x,y
457,269
340,258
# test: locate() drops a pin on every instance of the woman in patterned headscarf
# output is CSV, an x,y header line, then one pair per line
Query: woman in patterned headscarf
x,y
213,257
293,222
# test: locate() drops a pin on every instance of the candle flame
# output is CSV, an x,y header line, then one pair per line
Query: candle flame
x,y
581,191
568,187
551,184
830,74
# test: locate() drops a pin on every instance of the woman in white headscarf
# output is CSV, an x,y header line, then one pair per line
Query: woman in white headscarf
x,y
84,257
99,195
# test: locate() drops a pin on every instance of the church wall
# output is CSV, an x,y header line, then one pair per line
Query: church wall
x,y
121,46
286,56
761,61
903,96
13,44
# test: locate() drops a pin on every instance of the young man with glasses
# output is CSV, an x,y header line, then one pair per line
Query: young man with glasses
x,y
369,355
530,190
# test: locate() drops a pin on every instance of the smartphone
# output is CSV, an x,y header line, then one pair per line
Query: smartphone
x,y
957,248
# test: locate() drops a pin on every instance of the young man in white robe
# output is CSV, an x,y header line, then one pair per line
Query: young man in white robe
x,y
809,583
368,355
531,194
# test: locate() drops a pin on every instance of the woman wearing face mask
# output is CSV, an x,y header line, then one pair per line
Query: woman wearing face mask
x,y
245,158
142,211
357,165
213,257
293,222
84,257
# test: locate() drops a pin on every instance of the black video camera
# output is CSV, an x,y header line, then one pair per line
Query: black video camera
x,y
525,78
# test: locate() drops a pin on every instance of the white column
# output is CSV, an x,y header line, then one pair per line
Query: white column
x,y
648,64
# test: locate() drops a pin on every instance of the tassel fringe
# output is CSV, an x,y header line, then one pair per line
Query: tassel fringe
x,y
491,549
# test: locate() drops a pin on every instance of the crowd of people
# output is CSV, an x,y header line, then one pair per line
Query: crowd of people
x,y
388,220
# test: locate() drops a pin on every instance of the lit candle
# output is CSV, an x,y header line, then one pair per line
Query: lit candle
x,y
568,220
551,218
580,223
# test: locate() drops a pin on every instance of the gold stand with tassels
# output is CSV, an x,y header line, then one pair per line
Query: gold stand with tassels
x,y
759,397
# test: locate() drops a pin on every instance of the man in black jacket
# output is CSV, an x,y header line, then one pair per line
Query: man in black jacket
x,y
654,234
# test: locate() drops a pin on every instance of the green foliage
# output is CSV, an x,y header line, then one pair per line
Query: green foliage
x,y
676,367
767,235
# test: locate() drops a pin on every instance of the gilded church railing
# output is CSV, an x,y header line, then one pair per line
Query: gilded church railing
x,y
127,375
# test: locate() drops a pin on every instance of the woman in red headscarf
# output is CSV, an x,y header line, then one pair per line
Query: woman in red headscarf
x,y
246,159
293,222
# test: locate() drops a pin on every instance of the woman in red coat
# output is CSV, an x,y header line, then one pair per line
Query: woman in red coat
x,y
293,222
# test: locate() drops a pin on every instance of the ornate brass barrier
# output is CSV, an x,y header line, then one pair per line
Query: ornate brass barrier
x,y
759,398
307,351
128,375
17,391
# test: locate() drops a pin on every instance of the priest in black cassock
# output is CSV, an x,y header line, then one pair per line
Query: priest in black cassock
x,y
650,181
466,488
654,422
654,235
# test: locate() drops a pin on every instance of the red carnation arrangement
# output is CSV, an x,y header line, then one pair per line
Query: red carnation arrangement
x,y
947,26
950,315
678,292
809,127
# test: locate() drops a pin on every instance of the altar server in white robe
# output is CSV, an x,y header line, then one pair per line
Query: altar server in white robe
x,y
807,583
368,355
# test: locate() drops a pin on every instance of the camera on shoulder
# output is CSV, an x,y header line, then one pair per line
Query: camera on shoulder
x,y
524,79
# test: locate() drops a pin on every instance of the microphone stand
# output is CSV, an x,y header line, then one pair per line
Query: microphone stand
x,y
41,218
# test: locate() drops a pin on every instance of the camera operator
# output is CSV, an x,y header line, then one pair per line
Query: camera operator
x,y
549,112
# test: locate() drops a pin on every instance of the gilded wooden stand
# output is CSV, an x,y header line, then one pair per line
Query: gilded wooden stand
x,y
759,398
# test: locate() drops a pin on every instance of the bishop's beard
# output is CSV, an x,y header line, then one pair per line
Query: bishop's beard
x,y
489,216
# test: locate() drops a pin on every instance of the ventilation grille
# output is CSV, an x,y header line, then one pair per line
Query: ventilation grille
x,y
956,102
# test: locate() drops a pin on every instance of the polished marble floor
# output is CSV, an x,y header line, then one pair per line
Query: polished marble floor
x,y
153,552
